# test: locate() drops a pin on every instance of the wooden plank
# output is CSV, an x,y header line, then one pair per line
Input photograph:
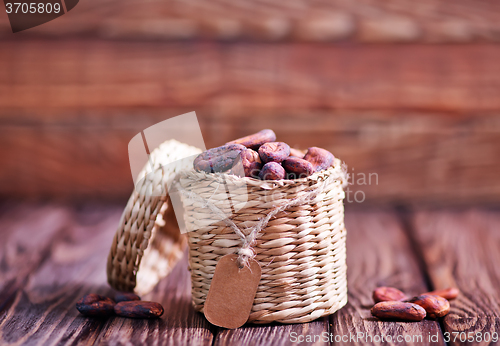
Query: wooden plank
x,y
43,311
311,333
316,20
27,232
460,249
420,158
81,74
180,324
85,162
379,254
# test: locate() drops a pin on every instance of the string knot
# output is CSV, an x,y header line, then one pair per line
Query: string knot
x,y
244,254
247,252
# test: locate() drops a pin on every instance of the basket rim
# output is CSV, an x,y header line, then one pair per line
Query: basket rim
x,y
338,168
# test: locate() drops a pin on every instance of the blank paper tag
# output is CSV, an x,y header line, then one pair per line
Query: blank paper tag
x,y
232,291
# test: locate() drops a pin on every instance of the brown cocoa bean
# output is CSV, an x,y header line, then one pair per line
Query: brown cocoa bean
x,y
218,159
320,158
297,153
435,306
274,152
256,140
447,293
95,305
297,168
253,169
126,296
400,311
251,162
384,294
139,309
272,171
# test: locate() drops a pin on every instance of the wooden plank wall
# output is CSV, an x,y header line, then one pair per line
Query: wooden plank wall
x,y
422,119
306,21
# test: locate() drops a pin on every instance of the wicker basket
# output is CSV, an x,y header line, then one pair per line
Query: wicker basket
x,y
294,228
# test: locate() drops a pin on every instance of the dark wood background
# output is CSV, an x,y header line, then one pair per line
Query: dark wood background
x,y
411,94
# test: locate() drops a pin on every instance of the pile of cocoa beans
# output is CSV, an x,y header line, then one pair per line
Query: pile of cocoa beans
x,y
393,304
124,305
263,158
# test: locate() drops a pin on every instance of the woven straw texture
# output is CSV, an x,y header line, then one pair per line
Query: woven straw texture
x,y
301,250
147,243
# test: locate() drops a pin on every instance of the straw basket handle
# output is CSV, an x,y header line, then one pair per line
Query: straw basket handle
x,y
147,243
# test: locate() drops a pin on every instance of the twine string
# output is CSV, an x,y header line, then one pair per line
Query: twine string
x,y
246,252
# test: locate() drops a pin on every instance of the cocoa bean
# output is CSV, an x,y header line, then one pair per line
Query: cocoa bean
x,y
320,158
384,294
218,159
272,171
274,152
139,309
435,306
126,296
256,140
251,162
447,293
297,168
400,311
95,305
297,153
253,169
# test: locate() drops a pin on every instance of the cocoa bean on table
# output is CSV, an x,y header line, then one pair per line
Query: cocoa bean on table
x,y
218,159
320,158
126,296
297,168
274,152
435,306
447,293
256,140
272,171
139,309
95,305
384,294
400,311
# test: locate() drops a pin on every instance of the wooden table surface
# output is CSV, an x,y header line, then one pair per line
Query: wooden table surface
x,y
51,255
